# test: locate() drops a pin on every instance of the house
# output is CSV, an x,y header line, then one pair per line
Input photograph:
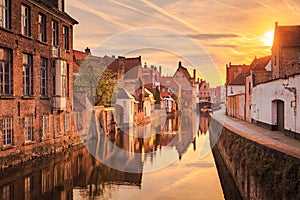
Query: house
x,y
169,85
149,104
126,101
235,90
204,91
275,105
260,69
129,77
36,57
184,79
218,95
151,76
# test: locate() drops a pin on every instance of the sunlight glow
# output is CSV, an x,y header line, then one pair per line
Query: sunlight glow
x,y
268,38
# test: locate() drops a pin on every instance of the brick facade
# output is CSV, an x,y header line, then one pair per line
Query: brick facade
x,y
57,106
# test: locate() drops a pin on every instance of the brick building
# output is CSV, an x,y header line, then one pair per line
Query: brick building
x,y
36,77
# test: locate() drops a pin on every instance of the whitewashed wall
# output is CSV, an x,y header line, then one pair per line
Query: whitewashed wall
x,y
264,110
235,89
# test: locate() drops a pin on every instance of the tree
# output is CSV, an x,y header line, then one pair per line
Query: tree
x,y
107,83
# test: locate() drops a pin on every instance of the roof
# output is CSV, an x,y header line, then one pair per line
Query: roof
x,y
232,71
288,35
167,81
80,55
50,5
132,73
260,63
239,80
124,94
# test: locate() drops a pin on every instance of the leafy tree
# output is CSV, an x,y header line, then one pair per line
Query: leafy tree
x,y
105,95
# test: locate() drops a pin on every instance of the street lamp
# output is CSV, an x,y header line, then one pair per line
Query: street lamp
x,y
286,85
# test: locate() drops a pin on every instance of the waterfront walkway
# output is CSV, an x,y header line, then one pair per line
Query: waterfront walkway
x,y
272,139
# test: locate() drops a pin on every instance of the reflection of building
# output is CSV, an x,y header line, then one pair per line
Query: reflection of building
x,y
36,70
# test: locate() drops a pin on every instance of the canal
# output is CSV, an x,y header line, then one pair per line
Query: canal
x,y
164,159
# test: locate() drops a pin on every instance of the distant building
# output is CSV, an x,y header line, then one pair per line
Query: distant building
x,y
36,84
204,91
187,83
218,95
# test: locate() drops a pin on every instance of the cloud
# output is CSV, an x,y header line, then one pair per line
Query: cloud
x,y
213,36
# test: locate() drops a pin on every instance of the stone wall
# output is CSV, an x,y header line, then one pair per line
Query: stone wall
x,y
258,171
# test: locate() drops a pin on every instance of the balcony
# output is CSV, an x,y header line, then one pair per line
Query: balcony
x,y
59,103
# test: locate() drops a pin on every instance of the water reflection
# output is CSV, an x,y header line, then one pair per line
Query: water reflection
x,y
76,174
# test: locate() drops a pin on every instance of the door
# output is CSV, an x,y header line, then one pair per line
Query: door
x,y
280,115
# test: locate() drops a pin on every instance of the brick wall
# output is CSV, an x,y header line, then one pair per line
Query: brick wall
x,y
17,106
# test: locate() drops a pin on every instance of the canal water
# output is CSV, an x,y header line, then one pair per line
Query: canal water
x,y
165,159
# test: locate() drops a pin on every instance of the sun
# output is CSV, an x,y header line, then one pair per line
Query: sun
x,y
268,38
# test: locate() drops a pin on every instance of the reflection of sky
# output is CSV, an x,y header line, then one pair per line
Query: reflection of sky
x,y
228,30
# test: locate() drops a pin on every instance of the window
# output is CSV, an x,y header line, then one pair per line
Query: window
x,y
68,80
27,75
44,67
7,192
25,20
66,37
7,130
29,128
42,28
54,33
67,122
27,188
249,87
5,13
45,126
57,125
64,80
5,72
45,181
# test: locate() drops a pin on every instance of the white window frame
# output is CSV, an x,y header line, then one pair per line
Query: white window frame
x,y
5,13
43,76
54,33
42,27
25,20
67,121
27,75
7,131
28,128
6,78
45,126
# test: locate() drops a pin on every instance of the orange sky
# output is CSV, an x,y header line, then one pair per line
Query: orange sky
x,y
228,31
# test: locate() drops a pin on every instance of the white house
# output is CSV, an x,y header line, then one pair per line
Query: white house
x,y
276,107
126,101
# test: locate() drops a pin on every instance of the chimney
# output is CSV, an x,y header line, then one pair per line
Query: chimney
x,y
160,70
198,80
179,64
276,24
87,51
113,56
194,75
145,65
229,64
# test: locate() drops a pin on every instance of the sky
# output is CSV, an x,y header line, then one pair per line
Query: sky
x,y
203,34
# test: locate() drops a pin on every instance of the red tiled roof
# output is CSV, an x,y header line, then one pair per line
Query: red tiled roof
x,y
167,81
130,65
260,63
232,71
239,80
79,55
288,35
